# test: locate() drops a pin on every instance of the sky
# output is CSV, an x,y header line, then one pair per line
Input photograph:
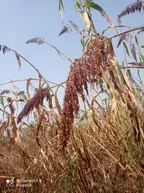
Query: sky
x,y
22,20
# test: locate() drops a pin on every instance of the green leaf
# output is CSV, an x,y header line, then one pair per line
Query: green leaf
x,y
142,56
77,4
126,49
129,73
142,46
137,43
112,27
138,71
86,19
138,47
84,42
101,10
61,7
92,25
59,52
